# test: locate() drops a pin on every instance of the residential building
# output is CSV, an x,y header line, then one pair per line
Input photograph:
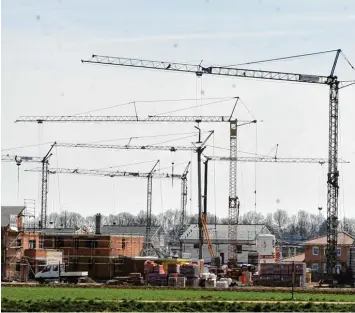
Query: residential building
x,y
315,253
99,254
21,254
247,241
158,236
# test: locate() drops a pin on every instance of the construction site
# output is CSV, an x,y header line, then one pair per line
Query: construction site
x,y
186,198
244,254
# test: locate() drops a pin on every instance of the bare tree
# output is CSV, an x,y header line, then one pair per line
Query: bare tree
x,y
348,225
280,222
252,217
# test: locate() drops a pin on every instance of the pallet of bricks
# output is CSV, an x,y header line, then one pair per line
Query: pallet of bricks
x,y
280,274
132,279
191,272
175,278
155,274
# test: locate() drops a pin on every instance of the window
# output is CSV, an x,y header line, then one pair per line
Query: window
x,y
338,251
55,268
239,249
315,250
325,267
196,245
18,266
46,269
19,243
32,244
123,243
315,267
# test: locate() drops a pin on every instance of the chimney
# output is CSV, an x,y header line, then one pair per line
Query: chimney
x,y
98,224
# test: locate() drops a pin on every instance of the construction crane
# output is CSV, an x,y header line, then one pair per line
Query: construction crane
x,y
146,147
127,147
334,85
266,159
127,119
44,181
152,174
233,124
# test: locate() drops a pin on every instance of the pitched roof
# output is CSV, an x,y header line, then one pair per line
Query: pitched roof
x,y
127,230
6,211
52,231
343,239
220,232
297,258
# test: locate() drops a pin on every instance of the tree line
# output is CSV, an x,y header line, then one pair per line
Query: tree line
x,y
280,223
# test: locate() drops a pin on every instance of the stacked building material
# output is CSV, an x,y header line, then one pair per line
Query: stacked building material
x,y
132,279
190,270
193,282
181,282
222,284
172,281
173,268
280,274
210,283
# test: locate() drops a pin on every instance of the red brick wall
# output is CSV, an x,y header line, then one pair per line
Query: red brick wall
x,y
97,261
320,259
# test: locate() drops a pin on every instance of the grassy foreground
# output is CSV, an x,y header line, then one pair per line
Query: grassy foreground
x,y
109,294
67,305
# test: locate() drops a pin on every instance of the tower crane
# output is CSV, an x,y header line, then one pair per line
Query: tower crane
x,y
147,147
334,85
44,184
183,181
149,176
233,124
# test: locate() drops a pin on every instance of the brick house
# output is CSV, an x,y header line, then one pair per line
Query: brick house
x,y
21,255
315,253
99,254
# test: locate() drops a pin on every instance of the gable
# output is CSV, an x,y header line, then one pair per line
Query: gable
x,y
6,211
343,239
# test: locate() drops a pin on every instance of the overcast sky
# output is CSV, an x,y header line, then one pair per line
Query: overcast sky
x,y
44,41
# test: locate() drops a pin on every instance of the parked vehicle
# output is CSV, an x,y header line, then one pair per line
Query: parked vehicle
x,y
56,272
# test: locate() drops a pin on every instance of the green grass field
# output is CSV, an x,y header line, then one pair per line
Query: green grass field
x,y
50,293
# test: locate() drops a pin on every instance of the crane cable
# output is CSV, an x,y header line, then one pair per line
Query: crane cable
x,y
255,164
18,181
195,106
283,58
144,101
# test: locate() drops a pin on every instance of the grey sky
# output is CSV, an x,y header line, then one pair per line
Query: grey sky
x,y
44,41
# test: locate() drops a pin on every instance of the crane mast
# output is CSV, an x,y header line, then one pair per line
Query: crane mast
x,y
331,81
184,197
44,178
